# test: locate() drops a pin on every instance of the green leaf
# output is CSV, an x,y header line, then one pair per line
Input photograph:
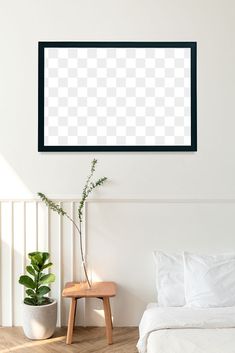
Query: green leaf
x,y
30,292
53,206
41,274
42,301
47,279
47,265
29,301
30,270
43,290
36,268
31,254
45,256
35,265
27,282
38,258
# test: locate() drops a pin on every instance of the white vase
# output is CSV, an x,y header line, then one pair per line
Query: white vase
x,y
39,322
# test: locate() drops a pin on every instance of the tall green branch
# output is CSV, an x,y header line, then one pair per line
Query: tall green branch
x,y
88,188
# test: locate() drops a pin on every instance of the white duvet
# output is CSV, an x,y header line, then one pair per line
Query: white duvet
x,y
220,340
157,320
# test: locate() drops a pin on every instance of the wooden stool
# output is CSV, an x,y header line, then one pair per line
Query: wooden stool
x,y
100,290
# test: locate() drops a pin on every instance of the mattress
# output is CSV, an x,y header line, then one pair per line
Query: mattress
x,y
187,330
192,341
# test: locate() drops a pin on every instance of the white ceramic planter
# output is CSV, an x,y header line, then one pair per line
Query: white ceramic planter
x,y
39,322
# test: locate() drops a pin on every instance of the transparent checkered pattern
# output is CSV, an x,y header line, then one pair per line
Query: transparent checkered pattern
x,y
117,96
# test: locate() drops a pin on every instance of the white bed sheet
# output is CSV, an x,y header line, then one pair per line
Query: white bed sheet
x,y
157,319
192,341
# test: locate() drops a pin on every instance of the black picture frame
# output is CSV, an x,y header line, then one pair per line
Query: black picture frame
x,y
171,148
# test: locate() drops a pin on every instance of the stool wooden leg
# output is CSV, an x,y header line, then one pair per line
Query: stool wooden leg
x,y
72,312
110,313
108,320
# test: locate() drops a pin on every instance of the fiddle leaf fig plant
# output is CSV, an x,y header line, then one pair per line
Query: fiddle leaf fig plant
x,y
36,283
89,186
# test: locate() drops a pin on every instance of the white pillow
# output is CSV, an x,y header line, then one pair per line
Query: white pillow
x,y
170,279
209,280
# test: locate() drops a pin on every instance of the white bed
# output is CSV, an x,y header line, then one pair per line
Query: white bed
x,y
196,310
187,330
192,341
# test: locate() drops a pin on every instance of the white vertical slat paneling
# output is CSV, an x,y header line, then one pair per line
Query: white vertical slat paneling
x,y
48,236
42,226
84,244
77,259
27,226
36,223
48,229
31,231
12,293
1,255
59,278
24,245
80,317
72,275
6,263
67,251
18,261
55,251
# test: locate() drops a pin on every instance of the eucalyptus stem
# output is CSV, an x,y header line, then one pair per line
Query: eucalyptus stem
x,y
81,248
88,188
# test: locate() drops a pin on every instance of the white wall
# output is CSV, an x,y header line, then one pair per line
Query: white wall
x,y
132,215
120,236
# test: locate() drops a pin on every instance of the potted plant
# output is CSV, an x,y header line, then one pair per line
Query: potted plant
x,y
89,186
39,311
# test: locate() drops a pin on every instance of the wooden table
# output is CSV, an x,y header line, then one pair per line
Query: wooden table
x,y
100,290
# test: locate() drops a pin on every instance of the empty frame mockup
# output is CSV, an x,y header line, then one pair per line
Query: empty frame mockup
x,y
117,96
